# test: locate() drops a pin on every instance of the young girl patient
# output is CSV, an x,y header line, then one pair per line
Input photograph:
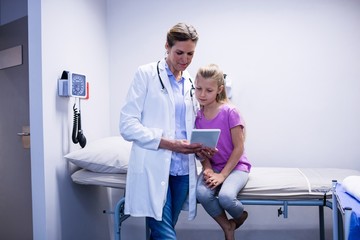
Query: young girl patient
x,y
226,172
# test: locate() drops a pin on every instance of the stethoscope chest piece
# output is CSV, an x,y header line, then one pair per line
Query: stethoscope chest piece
x,y
164,91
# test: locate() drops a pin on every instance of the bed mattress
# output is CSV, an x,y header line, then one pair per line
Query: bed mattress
x,y
264,182
113,180
292,183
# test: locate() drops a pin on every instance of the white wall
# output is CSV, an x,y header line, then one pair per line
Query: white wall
x,y
295,72
66,35
294,67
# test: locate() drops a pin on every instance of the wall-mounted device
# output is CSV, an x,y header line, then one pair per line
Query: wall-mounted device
x,y
72,85
75,85
77,133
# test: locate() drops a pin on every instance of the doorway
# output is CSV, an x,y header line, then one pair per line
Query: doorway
x,y
15,165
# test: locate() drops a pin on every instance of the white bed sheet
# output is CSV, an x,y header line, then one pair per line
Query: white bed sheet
x,y
292,183
114,180
264,182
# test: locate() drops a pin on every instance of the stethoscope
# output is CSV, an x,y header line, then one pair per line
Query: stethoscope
x,y
192,89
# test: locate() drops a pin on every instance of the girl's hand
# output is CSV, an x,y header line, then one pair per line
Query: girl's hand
x,y
214,180
207,174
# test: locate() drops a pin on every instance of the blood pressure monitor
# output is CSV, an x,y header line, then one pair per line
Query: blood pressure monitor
x,y
72,85
78,85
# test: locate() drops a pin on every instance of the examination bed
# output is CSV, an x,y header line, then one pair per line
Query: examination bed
x,y
273,186
346,209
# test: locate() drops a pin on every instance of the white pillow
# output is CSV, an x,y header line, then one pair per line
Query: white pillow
x,y
106,155
351,184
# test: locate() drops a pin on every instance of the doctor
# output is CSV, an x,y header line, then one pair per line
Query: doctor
x,y
158,117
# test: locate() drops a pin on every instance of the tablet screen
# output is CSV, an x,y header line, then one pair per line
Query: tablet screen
x,y
207,137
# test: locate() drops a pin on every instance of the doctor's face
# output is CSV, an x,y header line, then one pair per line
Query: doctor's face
x,y
180,55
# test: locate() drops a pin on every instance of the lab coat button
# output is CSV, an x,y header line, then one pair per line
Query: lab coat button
x,y
162,183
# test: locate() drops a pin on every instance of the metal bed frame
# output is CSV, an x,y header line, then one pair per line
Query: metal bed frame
x,y
120,217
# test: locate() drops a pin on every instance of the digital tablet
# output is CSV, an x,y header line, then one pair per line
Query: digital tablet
x,y
207,137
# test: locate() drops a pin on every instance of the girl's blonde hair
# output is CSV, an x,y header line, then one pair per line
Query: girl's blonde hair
x,y
213,72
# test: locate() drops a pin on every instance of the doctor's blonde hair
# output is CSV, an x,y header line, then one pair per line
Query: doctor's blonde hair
x,y
181,32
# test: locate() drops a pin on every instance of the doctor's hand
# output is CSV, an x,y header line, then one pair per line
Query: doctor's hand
x,y
180,145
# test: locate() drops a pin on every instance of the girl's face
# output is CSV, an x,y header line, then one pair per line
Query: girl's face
x,y
180,55
206,90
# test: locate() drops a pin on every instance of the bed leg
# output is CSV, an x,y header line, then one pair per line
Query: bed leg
x,y
335,212
119,217
321,222
346,224
285,211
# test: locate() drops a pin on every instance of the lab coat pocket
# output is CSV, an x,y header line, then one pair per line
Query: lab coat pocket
x,y
136,162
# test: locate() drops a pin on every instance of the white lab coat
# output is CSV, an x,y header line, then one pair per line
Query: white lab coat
x,y
148,115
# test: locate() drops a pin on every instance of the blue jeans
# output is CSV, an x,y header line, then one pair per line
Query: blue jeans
x,y
176,196
223,197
